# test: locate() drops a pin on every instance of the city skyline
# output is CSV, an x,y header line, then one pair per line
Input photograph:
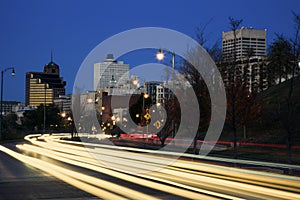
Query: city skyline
x,y
32,29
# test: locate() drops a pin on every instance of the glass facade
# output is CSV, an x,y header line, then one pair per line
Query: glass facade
x,y
110,68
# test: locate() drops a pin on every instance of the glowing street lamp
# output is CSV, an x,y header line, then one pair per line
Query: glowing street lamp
x,y
63,115
145,96
135,82
113,118
90,100
160,56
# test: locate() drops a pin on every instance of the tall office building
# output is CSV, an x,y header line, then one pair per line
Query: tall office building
x,y
249,41
44,87
250,54
109,70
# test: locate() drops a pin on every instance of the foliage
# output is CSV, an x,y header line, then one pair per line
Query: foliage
x,y
10,129
34,119
172,108
280,57
247,106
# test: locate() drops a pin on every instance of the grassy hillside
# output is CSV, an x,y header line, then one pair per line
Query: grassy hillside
x,y
274,108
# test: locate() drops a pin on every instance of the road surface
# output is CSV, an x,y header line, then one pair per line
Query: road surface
x,y
117,173
20,181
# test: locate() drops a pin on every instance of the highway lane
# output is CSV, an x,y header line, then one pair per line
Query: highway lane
x,y
21,181
119,174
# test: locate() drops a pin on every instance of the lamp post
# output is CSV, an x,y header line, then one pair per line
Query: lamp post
x,y
44,113
145,96
1,100
160,56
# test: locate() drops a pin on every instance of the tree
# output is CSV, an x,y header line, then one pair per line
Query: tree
x,y
30,119
34,119
214,50
289,123
280,60
247,106
11,130
173,113
233,83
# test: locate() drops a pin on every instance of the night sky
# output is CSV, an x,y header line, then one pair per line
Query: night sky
x,y
71,29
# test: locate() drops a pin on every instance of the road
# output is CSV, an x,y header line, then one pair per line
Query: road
x,y
118,173
20,181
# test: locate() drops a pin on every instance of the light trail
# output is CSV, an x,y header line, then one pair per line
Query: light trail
x,y
54,171
213,169
133,179
209,158
193,180
209,168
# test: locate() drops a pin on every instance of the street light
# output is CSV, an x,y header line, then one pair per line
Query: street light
x,y
1,100
160,56
63,114
145,96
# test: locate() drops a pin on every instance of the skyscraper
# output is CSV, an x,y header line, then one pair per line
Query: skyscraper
x,y
249,57
44,87
109,70
249,42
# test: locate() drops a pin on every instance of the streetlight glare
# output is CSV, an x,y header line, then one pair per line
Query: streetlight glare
x,y
63,114
135,82
160,55
13,72
146,95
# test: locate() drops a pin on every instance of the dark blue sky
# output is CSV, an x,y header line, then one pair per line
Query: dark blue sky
x,y
31,28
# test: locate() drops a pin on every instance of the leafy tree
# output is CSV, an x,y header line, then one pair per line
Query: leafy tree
x,y
10,129
34,119
280,60
289,121
30,119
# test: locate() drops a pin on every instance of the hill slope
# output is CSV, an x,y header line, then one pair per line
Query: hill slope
x,y
275,116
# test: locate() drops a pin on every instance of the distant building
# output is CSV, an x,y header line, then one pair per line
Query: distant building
x,y
110,69
151,88
250,57
8,107
162,94
159,91
64,102
249,42
118,109
20,109
44,87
